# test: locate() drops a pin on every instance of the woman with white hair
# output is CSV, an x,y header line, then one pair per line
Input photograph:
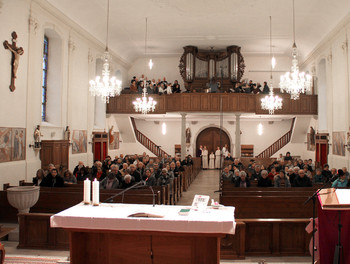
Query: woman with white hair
x,y
242,181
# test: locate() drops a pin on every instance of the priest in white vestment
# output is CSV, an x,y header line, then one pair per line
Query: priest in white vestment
x,y
205,158
212,161
217,158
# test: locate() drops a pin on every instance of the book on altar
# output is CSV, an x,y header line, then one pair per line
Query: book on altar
x,y
143,214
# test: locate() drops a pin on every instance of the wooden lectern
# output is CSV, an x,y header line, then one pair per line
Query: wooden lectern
x,y
334,225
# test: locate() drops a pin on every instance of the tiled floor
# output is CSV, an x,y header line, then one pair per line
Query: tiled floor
x,y
205,184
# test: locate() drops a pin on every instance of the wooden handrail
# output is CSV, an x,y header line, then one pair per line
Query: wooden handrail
x,y
278,144
145,141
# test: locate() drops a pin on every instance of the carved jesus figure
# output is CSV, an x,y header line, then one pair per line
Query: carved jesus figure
x,y
16,53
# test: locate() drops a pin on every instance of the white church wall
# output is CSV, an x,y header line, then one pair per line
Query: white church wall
x,y
167,67
258,68
249,135
331,60
13,104
124,147
71,102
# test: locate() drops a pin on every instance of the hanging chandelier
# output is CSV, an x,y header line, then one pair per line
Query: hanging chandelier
x,y
106,87
295,82
271,102
144,104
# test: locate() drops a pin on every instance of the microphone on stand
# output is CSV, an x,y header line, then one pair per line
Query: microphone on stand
x,y
334,178
140,183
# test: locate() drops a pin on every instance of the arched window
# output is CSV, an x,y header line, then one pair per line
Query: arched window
x,y
44,79
51,93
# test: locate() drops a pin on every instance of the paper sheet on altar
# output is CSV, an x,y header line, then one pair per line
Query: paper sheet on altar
x,y
343,196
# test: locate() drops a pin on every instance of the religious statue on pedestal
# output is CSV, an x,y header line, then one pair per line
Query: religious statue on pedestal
x,y
37,136
67,133
188,136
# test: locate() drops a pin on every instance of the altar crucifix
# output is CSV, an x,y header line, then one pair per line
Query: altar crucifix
x,y
16,53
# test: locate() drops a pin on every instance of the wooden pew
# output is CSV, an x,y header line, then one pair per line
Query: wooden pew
x,y
282,237
54,200
269,206
164,194
267,202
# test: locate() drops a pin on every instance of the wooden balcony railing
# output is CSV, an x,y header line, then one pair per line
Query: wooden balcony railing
x,y
145,141
214,102
278,144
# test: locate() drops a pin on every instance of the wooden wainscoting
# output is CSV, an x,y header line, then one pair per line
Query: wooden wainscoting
x,y
214,102
35,233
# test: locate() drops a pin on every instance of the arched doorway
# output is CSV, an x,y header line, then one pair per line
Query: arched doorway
x,y
212,137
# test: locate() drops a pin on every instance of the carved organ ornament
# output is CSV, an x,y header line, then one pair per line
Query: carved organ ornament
x,y
198,67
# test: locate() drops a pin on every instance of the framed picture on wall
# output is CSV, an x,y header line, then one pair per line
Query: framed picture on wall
x,y
5,144
18,144
114,140
79,141
339,143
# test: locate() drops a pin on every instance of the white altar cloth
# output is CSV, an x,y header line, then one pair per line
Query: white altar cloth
x,y
115,217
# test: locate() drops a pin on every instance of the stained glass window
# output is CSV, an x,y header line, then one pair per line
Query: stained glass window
x,y
44,80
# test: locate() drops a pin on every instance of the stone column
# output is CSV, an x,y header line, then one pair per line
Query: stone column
x,y
238,136
183,135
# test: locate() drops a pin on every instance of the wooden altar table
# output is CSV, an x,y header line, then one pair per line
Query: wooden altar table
x,y
105,233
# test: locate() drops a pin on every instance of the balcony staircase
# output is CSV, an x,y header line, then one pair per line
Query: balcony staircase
x,y
146,142
278,144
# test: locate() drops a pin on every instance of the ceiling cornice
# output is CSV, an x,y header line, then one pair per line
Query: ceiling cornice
x,y
319,49
53,11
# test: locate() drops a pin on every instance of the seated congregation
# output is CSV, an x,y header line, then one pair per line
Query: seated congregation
x,y
284,172
120,173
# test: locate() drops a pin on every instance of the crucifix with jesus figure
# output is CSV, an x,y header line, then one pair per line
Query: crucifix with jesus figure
x,y
16,53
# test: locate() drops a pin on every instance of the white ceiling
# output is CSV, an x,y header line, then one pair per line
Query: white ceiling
x,y
173,24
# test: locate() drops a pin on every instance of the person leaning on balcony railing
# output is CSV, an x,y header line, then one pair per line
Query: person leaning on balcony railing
x,y
133,87
266,89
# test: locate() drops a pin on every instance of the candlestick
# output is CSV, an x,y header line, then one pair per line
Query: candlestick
x,y
87,191
95,192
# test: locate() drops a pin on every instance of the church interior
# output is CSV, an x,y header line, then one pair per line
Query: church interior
x,y
206,65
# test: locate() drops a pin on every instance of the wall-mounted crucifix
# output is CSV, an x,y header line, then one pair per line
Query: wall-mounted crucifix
x,y
16,53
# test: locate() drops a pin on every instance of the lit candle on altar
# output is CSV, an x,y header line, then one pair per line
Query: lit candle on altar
x,y
87,191
95,192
